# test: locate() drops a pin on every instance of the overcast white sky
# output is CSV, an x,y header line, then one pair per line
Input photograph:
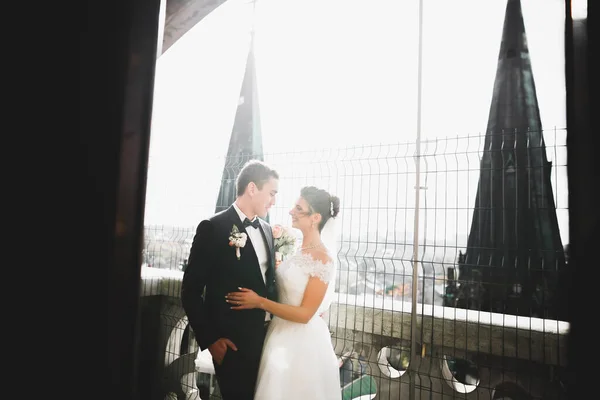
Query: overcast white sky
x,y
337,73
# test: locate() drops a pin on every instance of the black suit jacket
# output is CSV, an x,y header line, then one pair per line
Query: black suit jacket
x,y
213,271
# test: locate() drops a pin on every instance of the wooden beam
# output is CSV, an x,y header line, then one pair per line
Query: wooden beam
x,y
182,15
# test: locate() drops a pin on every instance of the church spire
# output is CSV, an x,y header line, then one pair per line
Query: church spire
x,y
514,246
246,137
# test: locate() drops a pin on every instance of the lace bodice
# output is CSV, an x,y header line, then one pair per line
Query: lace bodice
x,y
293,274
298,361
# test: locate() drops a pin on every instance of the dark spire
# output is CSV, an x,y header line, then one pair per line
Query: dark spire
x,y
246,138
514,245
514,102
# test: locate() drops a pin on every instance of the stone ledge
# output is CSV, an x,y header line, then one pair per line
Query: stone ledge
x,y
535,339
538,340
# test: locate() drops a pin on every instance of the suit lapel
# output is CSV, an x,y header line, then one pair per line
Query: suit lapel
x,y
235,218
270,275
268,238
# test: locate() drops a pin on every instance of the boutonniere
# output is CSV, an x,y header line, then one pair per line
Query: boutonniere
x,y
237,239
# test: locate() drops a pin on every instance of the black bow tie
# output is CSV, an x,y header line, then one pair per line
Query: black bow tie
x,y
254,223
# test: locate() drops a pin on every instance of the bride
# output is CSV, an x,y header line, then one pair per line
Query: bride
x,y
298,361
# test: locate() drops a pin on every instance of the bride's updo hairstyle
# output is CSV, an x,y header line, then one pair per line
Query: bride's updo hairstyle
x,y
321,202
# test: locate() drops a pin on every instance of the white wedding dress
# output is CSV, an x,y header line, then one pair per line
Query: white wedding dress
x,y
298,361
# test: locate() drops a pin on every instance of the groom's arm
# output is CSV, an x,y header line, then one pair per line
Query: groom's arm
x,y
195,279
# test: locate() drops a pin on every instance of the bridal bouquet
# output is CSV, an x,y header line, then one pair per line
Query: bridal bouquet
x,y
285,242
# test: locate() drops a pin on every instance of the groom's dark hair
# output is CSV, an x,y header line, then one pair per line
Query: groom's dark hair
x,y
254,171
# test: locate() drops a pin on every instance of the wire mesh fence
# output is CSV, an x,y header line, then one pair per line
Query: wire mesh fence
x,y
492,242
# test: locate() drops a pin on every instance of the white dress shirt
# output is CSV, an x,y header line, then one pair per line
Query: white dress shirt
x,y
260,247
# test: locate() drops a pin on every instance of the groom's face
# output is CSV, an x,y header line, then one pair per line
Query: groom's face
x,y
263,199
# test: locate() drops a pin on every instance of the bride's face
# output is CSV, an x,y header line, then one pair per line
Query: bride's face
x,y
302,217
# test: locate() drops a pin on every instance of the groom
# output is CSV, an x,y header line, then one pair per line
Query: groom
x,y
235,339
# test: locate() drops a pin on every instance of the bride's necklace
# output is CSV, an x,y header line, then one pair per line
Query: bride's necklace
x,y
311,247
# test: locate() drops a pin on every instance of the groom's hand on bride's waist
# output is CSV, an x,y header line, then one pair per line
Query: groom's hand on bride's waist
x,y
219,348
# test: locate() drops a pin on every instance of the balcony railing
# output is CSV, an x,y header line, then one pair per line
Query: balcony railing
x,y
472,351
